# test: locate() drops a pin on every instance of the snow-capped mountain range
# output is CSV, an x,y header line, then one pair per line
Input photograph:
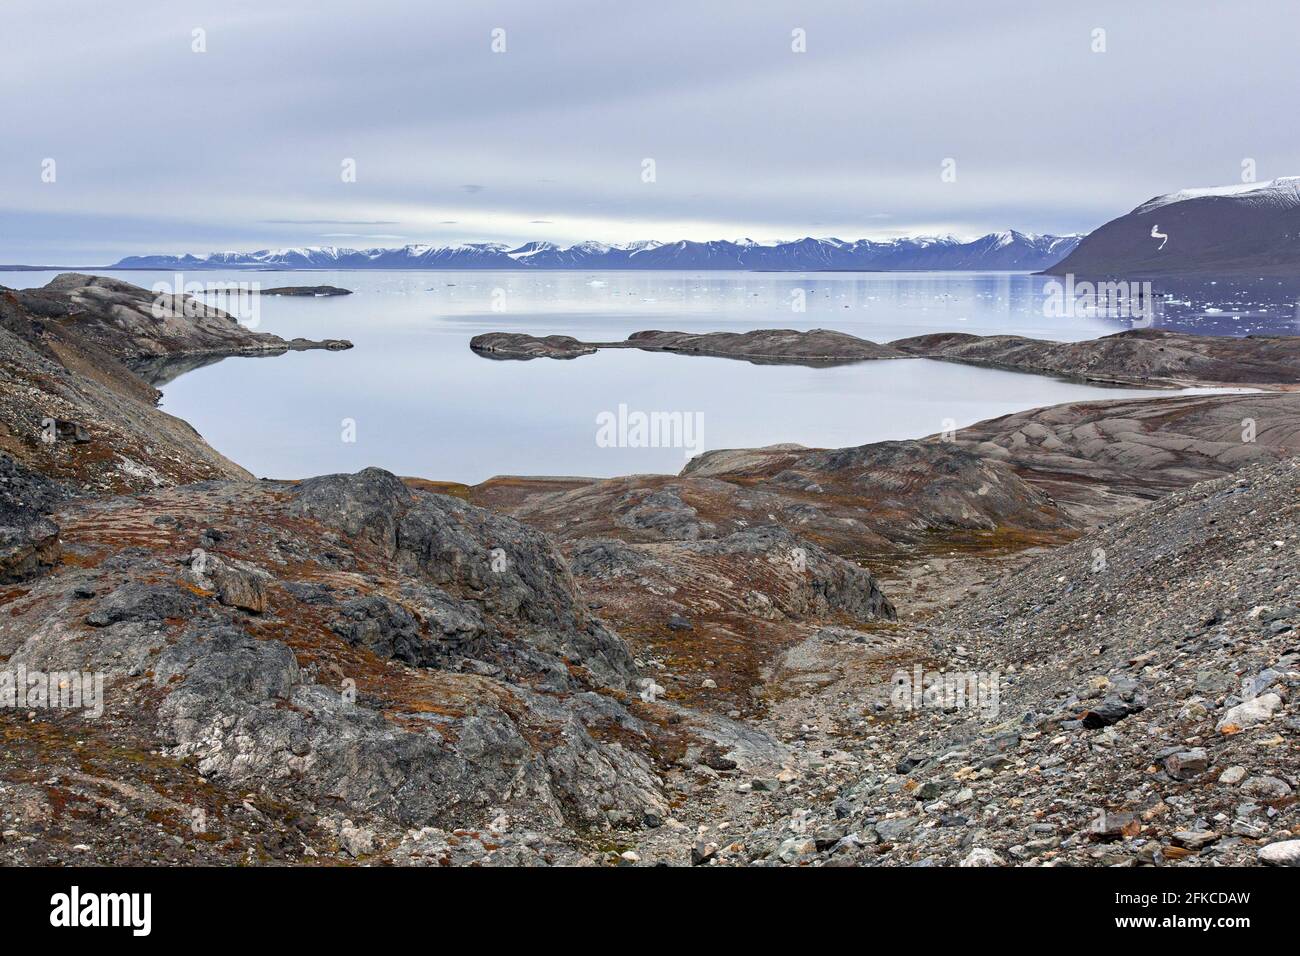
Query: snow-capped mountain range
x,y
996,251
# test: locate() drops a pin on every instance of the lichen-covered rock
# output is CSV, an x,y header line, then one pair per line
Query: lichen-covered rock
x,y
29,540
504,567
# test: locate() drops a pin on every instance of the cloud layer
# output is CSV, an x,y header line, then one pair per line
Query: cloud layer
x,y
158,148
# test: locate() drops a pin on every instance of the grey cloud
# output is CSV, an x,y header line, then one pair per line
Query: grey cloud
x,y
749,137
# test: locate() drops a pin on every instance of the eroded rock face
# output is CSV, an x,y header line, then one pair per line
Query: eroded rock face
x,y
243,707
507,568
29,540
348,643
937,485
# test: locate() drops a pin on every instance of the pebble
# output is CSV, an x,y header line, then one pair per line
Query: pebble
x,y
1187,764
982,856
703,852
357,841
1232,776
795,847
1195,839
1286,853
890,831
1249,714
1266,788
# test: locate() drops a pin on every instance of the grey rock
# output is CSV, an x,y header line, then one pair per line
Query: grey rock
x,y
138,602
1284,853
1195,839
893,830
1187,764
1264,787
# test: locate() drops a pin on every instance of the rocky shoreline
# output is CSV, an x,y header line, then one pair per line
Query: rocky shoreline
x,y
694,669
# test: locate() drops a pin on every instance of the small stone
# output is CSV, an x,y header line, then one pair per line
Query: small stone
x,y
1111,710
1187,764
982,856
891,831
829,836
795,847
1249,714
1195,839
1232,776
357,841
929,791
703,852
1286,853
716,758
678,623
908,764
1266,788
1113,824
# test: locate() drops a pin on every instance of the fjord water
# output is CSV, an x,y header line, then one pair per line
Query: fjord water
x,y
421,403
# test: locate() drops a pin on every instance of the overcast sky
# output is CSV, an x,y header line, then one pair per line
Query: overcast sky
x,y
158,148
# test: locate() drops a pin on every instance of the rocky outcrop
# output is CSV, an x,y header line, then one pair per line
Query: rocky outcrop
x,y
72,409
349,645
133,324
1142,357
818,347
516,345
310,291
29,540
505,567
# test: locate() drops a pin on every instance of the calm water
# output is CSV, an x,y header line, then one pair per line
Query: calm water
x,y
423,404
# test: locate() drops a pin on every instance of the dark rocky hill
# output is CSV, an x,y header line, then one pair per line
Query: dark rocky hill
x,y
1247,230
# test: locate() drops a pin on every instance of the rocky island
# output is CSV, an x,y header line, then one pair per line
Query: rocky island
x,y
311,291
762,346
699,669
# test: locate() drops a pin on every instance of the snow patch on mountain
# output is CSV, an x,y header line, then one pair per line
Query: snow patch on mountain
x,y
1282,191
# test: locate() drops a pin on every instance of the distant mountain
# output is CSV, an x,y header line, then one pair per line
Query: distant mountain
x,y
1249,229
996,251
